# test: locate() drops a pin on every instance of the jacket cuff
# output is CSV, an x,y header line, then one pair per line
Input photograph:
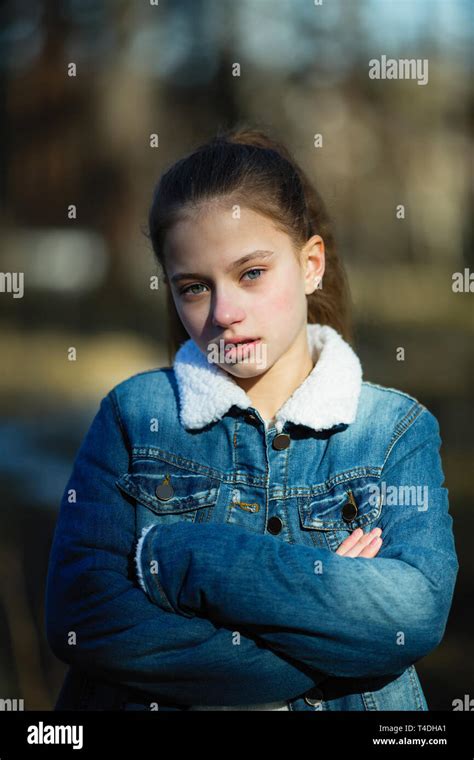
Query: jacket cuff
x,y
138,554
148,576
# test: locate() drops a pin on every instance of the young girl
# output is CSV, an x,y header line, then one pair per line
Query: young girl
x,y
254,527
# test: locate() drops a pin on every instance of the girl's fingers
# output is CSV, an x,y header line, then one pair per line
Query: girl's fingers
x,y
371,550
361,544
358,542
350,541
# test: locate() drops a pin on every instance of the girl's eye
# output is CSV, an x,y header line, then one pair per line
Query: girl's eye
x,y
187,289
254,270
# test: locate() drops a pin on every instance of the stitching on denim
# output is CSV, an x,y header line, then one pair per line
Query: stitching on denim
x,y
390,390
118,416
206,498
416,689
234,446
368,699
159,587
152,452
402,427
324,489
284,505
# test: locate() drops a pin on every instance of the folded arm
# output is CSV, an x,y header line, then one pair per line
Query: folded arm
x,y
358,617
98,618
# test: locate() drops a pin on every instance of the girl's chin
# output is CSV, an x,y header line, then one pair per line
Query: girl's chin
x,y
244,370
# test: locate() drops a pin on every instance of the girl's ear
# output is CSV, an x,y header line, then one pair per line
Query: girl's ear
x,y
314,262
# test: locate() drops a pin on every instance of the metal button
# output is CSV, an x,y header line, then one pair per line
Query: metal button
x,y
281,441
164,491
250,416
349,510
313,697
312,702
274,525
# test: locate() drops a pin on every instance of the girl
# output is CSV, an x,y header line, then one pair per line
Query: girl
x,y
253,527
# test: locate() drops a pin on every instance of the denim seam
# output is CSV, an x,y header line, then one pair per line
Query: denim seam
x,y
157,582
416,691
402,427
243,478
267,498
234,445
152,452
284,504
118,416
390,390
369,700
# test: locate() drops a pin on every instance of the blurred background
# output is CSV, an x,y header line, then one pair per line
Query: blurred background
x,y
147,68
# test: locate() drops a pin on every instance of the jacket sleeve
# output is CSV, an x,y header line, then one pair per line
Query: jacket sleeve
x,y
356,616
97,617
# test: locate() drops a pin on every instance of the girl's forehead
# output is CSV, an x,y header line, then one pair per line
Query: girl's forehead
x,y
222,236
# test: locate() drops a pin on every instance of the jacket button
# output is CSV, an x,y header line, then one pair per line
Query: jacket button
x,y
274,525
312,702
281,441
349,511
313,697
250,416
164,491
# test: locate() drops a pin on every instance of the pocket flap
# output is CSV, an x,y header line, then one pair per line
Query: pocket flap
x,y
346,507
165,491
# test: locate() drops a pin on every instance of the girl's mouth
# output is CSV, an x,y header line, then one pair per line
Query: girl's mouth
x,y
241,349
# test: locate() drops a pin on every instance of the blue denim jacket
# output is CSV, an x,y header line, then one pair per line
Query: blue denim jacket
x,y
194,559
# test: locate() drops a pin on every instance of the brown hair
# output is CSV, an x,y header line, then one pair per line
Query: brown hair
x,y
257,172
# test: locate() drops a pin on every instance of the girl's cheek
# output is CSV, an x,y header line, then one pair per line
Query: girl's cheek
x,y
191,321
281,297
193,312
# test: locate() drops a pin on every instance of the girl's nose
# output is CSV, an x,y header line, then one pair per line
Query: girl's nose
x,y
226,311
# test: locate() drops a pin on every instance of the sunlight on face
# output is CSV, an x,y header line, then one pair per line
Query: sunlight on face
x,y
262,298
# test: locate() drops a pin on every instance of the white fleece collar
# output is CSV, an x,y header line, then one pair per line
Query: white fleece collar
x,y
327,397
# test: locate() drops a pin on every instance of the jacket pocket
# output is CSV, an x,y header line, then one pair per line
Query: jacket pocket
x,y
403,693
165,493
334,514
391,692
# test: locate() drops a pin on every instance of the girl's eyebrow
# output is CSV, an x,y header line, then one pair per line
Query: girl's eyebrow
x,y
248,257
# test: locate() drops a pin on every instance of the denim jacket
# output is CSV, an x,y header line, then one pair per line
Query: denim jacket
x,y
194,559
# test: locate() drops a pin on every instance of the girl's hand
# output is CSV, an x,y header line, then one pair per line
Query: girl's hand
x,y
360,544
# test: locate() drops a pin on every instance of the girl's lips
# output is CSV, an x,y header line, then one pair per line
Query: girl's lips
x,y
248,342
240,349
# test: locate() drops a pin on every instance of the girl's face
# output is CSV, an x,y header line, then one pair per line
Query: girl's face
x,y
219,296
